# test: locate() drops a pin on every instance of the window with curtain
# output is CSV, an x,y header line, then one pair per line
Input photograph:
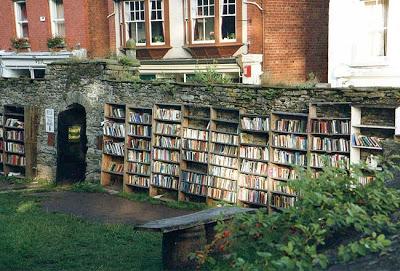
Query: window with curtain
x,y
157,21
135,21
21,19
57,17
203,14
228,20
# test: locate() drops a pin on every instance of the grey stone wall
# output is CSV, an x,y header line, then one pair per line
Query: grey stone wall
x,y
89,84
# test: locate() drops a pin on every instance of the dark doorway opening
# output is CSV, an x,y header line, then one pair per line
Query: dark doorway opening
x,y
71,145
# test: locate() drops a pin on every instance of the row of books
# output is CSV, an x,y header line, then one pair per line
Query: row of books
x,y
194,188
290,141
221,194
15,147
253,196
330,126
166,155
14,123
139,130
330,144
137,168
224,172
168,114
290,125
196,156
224,149
168,129
222,183
142,144
116,112
277,186
196,145
114,148
114,129
224,161
224,138
139,156
255,123
116,167
282,173
281,201
167,142
15,135
136,117
165,181
291,158
16,160
260,153
165,168
366,141
196,178
253,182
335,160
138,181
195,134
253,167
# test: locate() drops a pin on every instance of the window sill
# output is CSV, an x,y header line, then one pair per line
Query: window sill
x,y
207,50
375,62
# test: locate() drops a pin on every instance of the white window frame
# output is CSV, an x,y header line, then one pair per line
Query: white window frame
x,y
128,19
55,21
227,15
156,20
195,16
18,22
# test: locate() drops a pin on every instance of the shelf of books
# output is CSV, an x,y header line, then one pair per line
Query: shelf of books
x,y
194,159
1,144
112,170
329,127
370,126
166,147
223,163
289,148
253,158
138,148
20,140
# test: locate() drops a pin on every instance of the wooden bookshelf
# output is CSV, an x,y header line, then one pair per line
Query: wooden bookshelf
x,y
20,141
1,143
112,168
329,127
224,155
166,148
253,190
195,153
138,148
288,150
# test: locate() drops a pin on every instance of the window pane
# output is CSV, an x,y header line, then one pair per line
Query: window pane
x,y
209,29
59,10
228,27
198,33
157,31
25,30
60,31
141,33
23,12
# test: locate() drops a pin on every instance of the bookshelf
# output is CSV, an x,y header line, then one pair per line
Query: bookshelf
x,y
370,126
1,143
289,149
329,125
253,158
166,148
195,153
20,141
223,163
112,169
138,148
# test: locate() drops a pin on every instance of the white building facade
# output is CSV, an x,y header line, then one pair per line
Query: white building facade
x,y
364,43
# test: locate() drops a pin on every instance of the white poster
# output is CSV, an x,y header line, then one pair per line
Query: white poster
x,y
49,120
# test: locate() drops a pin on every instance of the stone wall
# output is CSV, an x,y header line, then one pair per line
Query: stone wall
x,y
88,84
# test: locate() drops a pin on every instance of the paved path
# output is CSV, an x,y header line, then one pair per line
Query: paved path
x,y
106,208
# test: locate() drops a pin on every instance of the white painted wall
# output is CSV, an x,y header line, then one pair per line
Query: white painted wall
x,y
346,25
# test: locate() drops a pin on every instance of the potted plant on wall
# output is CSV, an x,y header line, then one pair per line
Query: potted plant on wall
x,y
21,44
56,44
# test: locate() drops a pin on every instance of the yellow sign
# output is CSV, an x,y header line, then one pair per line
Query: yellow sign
x,y
74,133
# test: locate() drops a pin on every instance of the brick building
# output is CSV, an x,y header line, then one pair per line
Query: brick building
x,y
242,39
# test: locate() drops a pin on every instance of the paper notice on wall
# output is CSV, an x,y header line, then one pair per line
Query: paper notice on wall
x,y
397,121
49,120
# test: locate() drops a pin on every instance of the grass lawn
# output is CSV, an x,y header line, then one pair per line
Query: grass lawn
x,y
31,239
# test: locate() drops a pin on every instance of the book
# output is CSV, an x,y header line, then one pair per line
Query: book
x,y
165,181
281,201
115,167
165,168
135,117
139,130
14,123
330,144
114,129
335,160
15,147
290,141
114,148
330,126
253,182
282,173
224,161
168,114
224,138
259,153
166,142
142,144
168,129
221,194
253,167
138,156
290,125
290,158
253,196
138,181
366,141
166,155
138,168
255,123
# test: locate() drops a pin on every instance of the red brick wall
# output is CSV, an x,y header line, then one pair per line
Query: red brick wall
x,y
98,28
39,31
254,28
7,24
76,23
296,39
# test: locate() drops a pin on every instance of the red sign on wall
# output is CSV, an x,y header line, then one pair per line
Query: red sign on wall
x,y
247,71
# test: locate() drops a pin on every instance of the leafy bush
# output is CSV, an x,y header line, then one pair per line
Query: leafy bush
x,y
210,77
20,43
332,209
56,42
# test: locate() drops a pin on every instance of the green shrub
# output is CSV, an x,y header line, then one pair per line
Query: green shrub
x,y
20,43
332,209
209,77
56,42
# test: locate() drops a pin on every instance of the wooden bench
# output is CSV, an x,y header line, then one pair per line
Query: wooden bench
x,y
189,233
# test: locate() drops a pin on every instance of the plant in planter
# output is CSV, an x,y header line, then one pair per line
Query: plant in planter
x,y
158,39
56,43
20,44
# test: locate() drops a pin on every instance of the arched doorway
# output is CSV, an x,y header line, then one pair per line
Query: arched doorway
x,y
71,145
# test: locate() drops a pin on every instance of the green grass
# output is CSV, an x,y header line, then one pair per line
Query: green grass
x,y
31,239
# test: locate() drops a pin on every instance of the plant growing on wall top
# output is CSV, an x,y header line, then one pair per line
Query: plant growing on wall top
x,y
56,42
209,77
20,43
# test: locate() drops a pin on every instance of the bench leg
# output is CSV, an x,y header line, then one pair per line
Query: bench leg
x,y
176,247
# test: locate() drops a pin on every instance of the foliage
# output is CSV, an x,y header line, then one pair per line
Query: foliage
x,y
56,42
32,239
88,187
331,208
20,43
209,77
126,61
